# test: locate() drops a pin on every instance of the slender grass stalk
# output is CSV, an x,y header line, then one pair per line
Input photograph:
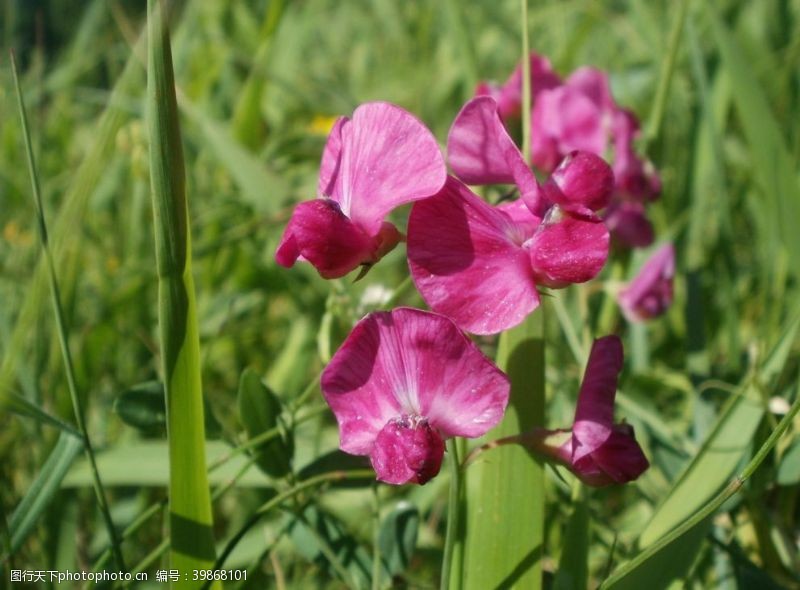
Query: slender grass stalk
x,y
191,534
526,84
665,77
61,328
714,504
451,572
376,534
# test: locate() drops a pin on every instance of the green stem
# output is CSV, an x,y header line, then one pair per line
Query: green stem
x,y
665,78
282,497
376,533
451,576
526,84
61,329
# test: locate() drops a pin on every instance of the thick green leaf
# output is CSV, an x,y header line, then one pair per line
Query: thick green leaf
x,y
191,532
729,442
789,469
573,566
260,411
143,405
397,537
505,486
43,488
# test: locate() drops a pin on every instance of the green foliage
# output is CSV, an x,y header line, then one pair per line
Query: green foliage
x,y
257,83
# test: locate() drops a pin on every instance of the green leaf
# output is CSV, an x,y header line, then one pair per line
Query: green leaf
x,y
43,488
573,566
773,165
789,469
143,405
191,532
505,487
260,411
23,407
728,443
397,537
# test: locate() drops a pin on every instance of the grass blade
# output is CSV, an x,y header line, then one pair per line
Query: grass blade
x,y
192,540
505,488
43,488
61,328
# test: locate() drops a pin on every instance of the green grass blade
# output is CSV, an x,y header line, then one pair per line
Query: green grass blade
x,y
61,328
505,488
573,566
23,407
43,488
192,540
774,168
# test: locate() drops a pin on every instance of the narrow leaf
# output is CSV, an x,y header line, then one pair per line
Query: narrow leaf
x,y
191,535
397,537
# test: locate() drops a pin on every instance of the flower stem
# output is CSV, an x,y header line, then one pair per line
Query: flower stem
x,y
451,571
526,85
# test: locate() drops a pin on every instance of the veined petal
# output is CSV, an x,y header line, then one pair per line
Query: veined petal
x,y
331,161
414,368
467,260
650,293
388,158
568,250
321,234
594,416
480,151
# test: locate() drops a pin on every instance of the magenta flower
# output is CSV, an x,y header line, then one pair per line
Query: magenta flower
x,y
650,293
480,264
580,114
381,158
596,450
401,383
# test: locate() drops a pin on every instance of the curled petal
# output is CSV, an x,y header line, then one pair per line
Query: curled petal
x,y
413,367
650,293
331,161
321,234
467,260
594,417
388,158
480,151
584,181
568,250
619,459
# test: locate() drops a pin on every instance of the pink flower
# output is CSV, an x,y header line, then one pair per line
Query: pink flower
x,y
580,114
480,264
382,158
650,293
401,383
596,450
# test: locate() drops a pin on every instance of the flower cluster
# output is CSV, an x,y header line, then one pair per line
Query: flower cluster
x,y
579,113
405,380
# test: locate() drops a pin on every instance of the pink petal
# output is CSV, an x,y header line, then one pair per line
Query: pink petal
x,y
650,293
594,416
584,181
542,78
620,458
388,158
567,120
480,151
331,161
593,84
467,261
411,366
321,234
568,250
629,225
407,452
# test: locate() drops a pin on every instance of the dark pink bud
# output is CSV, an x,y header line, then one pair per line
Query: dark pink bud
x,y
407,450
584,180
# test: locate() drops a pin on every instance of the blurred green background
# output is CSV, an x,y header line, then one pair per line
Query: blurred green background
x,y
258,84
